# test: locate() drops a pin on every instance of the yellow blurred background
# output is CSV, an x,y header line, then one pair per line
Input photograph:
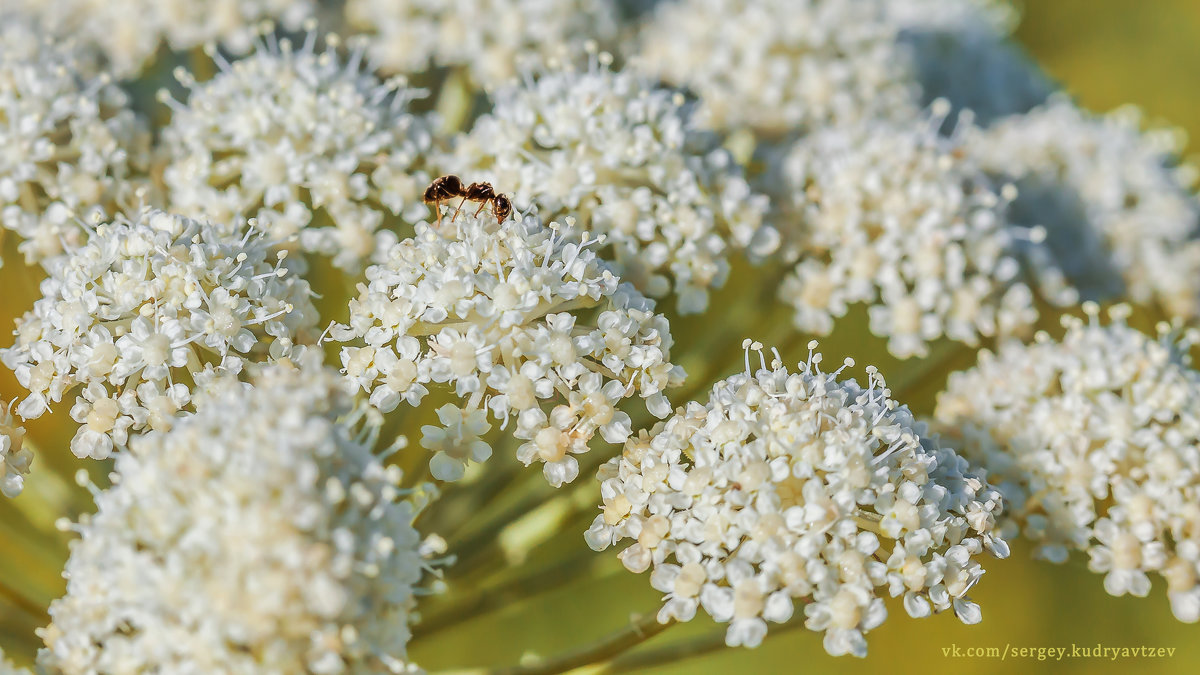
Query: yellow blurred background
x,y
1106,52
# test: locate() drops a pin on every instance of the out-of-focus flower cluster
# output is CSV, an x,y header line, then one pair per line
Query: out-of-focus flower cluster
x,y
900,218
313,147
777,66
1095,441
129,33
71,145
515,316
492,40
792,486
261,534
1119,209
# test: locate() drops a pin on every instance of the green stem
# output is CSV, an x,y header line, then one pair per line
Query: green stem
x,y
640,629
679,651
503,593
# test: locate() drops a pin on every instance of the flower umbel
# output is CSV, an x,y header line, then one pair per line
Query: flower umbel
x,y
624,158
142,314
516,317
317,149
1095,442
899,217
260,534
790,486
71,145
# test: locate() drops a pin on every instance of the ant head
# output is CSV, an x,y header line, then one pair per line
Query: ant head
x,y
501,207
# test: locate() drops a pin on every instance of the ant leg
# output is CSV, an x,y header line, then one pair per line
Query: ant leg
x,y
460,205
481,205
437,206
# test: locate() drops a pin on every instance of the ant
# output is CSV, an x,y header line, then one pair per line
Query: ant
x,y
448,187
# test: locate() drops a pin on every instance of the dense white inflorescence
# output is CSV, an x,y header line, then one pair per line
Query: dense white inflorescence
x,y
899,218
316,148
261,534
778,66
14,458
516,318
791,486
625,159
491,39
1095,443
143,313
1117,206
129,32
71,145
962,51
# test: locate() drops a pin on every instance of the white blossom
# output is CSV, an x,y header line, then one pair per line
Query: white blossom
x,y
129,32
625,158
898,217
261,534
1117,206
313,146
14,458
779,65
71,145
515,317
144,311
790,486
491,39
1095,442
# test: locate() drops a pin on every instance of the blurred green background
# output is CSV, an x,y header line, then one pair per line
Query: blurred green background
x,y
1105,52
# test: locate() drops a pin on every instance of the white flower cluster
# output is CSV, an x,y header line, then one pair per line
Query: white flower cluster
x,y
311,146
623,157
894,215
259,535
71,145
962,51
797,486
1095,443
144,312
129,32
514,317
14,459
778,66
1115,203
491,39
